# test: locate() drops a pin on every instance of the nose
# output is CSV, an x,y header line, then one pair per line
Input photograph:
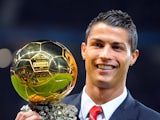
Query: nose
x,y
106,53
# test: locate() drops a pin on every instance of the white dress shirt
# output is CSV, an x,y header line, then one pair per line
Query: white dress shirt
x,y
108,108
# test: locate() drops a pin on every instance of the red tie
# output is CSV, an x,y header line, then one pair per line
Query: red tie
x,y
94,111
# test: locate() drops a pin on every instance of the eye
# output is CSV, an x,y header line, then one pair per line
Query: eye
x,y
116,47
98,45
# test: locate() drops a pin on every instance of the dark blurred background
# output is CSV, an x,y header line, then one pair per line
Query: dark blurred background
x,y
22,21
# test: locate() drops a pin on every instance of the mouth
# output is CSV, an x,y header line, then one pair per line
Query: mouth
x,y
106,67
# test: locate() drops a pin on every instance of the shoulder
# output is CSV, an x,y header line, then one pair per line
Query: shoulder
x,y
70,98
132,107
74,99
146,112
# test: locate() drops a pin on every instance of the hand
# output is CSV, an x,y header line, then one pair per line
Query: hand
x,y
31,115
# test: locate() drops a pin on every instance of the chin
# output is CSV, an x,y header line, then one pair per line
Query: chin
x,y
103,84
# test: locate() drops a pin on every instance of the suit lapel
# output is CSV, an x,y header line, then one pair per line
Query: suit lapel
x,y
125,110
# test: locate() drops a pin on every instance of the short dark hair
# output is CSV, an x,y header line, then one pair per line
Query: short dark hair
x,y
117,18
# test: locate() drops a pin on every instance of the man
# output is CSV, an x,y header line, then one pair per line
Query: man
x,y
109,50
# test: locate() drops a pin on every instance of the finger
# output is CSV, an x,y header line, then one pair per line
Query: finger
x,y
34,117
28,116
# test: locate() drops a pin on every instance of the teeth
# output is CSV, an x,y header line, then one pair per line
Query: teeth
x,y
105,67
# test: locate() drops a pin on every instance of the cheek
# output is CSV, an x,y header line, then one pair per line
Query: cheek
x,y
124,66
91,54
89,60
123,60
125,63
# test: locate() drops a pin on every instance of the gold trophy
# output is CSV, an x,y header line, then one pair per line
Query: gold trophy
x,y
43,73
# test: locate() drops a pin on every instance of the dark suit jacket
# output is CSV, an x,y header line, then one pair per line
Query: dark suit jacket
x,y
130,109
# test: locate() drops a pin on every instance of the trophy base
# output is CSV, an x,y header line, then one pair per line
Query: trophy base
x,y
53,111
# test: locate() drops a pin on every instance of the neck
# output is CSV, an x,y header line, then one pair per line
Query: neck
x,y
103,95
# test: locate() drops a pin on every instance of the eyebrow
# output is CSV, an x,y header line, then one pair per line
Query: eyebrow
x,y
114,42
119,43
97,39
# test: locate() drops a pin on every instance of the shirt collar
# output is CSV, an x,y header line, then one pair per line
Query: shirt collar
x,y
108,108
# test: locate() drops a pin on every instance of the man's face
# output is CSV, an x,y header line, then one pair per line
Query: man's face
x,y
107,56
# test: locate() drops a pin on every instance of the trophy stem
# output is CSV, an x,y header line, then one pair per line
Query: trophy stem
x,y
53,111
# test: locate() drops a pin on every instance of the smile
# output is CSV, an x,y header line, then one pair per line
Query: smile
x,y
106,67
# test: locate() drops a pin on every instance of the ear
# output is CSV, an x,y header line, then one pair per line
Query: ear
x,y
134,57
83,50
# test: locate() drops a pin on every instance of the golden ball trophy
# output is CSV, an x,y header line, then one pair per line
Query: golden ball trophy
x,y
43,73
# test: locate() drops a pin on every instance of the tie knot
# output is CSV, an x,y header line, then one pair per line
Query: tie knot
x,y
94,111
